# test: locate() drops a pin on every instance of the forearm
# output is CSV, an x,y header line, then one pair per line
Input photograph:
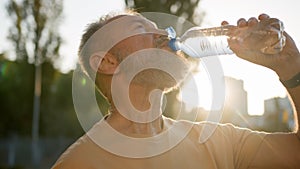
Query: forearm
x,y
295,98
285,74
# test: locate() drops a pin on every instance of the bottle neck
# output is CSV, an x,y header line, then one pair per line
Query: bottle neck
x,y
174,44
202,42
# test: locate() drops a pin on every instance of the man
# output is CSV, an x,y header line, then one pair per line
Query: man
x,y
136,135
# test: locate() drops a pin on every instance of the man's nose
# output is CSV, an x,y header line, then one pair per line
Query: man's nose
x,y
157,31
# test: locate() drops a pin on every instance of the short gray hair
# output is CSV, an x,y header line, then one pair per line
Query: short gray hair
x,y
90,30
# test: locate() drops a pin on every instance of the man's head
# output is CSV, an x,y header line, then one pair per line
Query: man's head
x,y
107,42
91,31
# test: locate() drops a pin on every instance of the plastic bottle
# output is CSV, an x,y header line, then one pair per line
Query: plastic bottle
x,y
266,37
198,42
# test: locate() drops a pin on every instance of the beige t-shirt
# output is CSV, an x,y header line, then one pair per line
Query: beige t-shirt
x,y
182,145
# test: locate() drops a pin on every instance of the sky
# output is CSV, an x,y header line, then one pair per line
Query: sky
x,y
260,83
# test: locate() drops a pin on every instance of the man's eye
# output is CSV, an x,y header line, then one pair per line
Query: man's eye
x,y
139,27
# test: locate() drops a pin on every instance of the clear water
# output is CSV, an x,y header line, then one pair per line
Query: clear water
x,y
198,42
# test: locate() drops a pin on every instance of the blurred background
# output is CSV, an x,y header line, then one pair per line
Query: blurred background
x,y
38,54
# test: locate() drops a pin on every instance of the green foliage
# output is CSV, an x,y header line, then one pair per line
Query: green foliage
x,y
57,117
35,39
16,96
180,8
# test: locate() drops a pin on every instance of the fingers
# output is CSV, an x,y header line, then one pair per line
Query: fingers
x,y
263,16
252,21
224,23
242,22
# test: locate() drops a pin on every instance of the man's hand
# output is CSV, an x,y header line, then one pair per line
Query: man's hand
x,y
278,150
285,63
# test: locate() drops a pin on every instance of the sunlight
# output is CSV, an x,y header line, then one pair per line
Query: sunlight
x,y
204,88
260,83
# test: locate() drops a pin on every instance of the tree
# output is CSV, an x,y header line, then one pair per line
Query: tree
x,y
180,8
16,93
34,33
34,30
36,41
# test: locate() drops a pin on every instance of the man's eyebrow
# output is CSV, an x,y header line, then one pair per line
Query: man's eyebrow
x,y
153,23
114,18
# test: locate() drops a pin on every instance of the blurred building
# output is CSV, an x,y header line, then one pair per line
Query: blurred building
x,y
279,114
235,106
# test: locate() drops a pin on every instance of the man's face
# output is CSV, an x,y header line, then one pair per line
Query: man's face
x,y
146,35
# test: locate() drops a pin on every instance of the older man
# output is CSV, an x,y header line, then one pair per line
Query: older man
x,y
135,134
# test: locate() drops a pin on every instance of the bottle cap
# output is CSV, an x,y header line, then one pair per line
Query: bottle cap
x,y
172,35
171,32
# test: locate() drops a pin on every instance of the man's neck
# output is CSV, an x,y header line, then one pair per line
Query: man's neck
x,y
133,129
145,100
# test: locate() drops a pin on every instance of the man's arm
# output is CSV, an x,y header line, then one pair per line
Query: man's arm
x,y
295,99
287,69
278,150
281,150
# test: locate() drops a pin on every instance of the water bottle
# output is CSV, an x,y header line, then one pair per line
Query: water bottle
x,y
267,37
198,42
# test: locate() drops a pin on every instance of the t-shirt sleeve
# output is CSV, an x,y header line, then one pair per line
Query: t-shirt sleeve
x,y
230,146
245,144
76,156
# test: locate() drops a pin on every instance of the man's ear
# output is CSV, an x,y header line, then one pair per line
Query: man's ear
x,y
103,62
